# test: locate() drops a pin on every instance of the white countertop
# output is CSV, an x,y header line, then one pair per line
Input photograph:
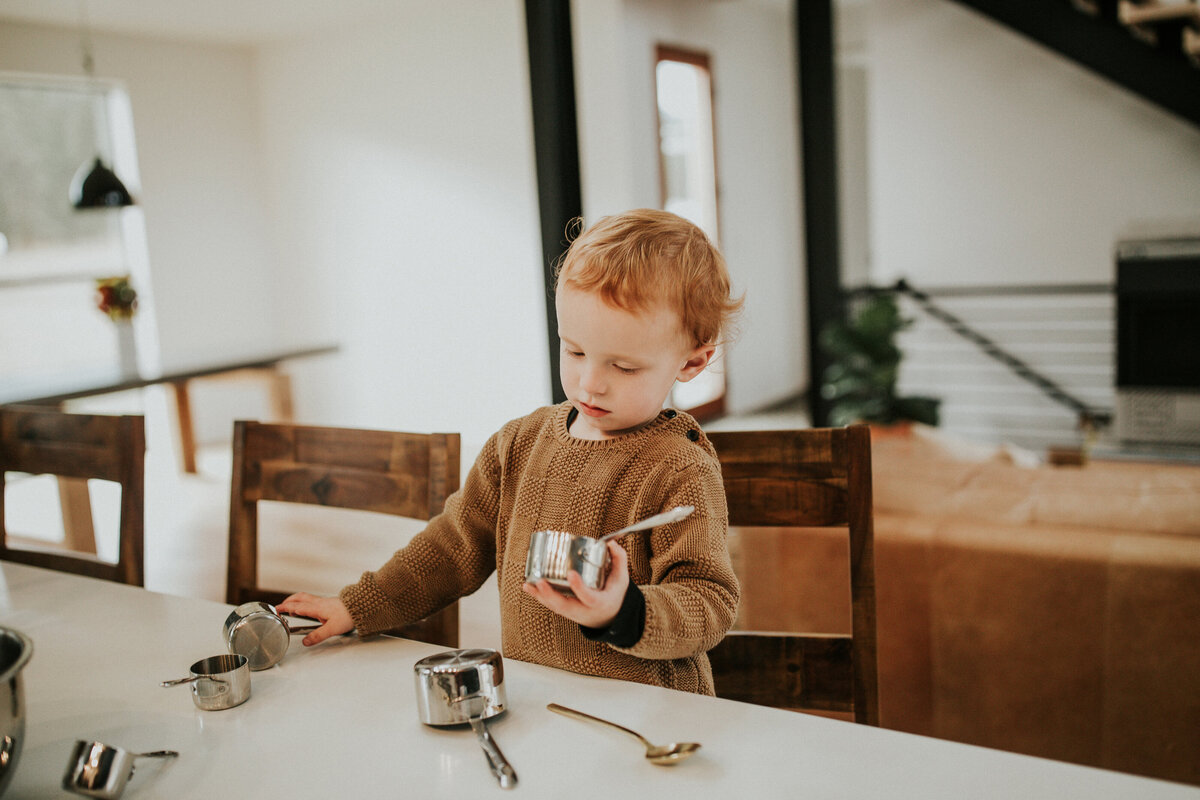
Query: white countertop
x,y
340,720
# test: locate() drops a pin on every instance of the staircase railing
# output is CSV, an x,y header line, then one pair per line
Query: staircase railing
x,y
1090,418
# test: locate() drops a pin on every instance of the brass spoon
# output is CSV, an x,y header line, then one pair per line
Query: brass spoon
x,y
660,754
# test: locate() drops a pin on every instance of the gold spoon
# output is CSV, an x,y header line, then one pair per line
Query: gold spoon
x,y
660,754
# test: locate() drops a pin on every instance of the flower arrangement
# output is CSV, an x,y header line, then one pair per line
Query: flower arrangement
x,y
116,297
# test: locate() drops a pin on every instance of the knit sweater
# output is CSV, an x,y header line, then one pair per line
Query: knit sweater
x,y
533,475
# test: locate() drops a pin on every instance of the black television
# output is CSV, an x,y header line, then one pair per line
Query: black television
x,y
1158,341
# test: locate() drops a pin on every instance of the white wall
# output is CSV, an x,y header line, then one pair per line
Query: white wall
x,y
993,160
200,195
400,161
201,190
753,65
373,187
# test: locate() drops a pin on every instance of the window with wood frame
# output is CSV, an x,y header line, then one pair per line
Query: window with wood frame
x,y
688,182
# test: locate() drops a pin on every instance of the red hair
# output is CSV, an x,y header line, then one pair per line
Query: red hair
x,y
646,256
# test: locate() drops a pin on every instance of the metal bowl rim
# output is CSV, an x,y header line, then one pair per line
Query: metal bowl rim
x,y
26,653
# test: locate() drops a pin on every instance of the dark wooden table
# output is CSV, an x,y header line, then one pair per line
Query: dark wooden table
x,y
265,366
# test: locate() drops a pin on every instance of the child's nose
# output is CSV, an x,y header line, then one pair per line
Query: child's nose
x,y
592,380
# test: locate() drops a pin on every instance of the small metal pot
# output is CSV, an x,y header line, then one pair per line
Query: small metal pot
x,y
553,554
466,686
456,685
15,651
218,682
258,632
101,770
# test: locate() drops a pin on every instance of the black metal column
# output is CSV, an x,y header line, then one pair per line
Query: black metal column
x,y
556,144
818,149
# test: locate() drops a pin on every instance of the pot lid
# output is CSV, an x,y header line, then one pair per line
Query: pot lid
x,y
457,660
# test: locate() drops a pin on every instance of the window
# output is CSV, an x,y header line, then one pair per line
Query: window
x,y
688,174
51,254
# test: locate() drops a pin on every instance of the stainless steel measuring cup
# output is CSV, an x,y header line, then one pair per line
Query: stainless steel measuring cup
x,y
96,769
260,633
460,686
554,554
217,682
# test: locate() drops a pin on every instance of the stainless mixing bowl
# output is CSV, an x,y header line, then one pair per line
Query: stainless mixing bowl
x,y
15,650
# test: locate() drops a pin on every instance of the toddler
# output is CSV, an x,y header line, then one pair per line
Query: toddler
x,y
642,301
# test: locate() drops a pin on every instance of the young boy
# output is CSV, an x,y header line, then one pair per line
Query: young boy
x,y
642,299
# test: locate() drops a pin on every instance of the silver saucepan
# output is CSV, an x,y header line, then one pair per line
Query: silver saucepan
x,y
102,770
465,687
553,554
218,682
260,633
15,651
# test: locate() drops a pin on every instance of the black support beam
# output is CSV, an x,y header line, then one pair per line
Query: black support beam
x,y
556,145
1105,47
818,149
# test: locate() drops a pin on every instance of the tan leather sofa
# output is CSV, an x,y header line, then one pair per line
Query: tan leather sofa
x,y
1053,611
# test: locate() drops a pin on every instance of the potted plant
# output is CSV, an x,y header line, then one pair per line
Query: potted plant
x,y
860,383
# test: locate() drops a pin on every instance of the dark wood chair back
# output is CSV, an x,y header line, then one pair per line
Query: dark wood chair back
x,y
43,441
804,478
404,474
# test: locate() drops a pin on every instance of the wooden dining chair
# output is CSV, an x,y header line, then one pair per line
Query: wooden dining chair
x,y
403,474
817,477
77,448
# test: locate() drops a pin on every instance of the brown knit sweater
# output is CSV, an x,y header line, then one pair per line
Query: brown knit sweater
x,y
533,475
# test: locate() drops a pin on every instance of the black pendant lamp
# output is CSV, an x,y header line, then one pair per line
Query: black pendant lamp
x,y
95,185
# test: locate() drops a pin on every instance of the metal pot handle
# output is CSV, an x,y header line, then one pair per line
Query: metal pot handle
x,y
181,681
500,767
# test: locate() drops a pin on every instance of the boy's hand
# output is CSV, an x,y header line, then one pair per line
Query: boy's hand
x,y
331,612
592,608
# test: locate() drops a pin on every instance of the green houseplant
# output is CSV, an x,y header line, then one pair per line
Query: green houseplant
x,y
860,382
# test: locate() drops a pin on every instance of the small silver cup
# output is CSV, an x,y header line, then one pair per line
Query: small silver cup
x,y
96,769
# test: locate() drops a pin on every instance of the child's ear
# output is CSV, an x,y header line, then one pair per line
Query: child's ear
x,y
697,360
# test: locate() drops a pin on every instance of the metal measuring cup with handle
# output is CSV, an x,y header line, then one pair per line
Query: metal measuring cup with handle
x,y
466,686
217,682
96,769
259,632
554,554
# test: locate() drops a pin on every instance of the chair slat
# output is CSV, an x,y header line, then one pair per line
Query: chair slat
x,y
343,487
66,459
786,670
777,501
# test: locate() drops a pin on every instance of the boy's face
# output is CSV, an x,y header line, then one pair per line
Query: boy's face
x,y
616,366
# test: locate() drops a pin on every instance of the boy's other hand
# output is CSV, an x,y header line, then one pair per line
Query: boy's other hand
x,y
331,612
592,608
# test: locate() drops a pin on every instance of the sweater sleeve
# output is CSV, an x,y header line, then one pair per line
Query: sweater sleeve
x,y
450,558
692,595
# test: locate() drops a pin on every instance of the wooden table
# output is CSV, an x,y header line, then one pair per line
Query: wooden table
x,y
264,365
74,497
340,720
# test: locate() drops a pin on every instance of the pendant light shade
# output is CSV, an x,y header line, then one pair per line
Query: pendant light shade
x,y
96,186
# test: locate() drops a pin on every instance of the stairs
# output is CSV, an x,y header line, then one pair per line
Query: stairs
x,y
1151,47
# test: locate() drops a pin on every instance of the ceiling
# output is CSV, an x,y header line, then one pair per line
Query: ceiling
x,y
226,21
